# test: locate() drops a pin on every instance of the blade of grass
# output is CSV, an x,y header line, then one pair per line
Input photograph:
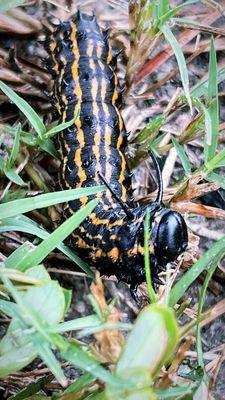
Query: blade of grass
x,y
180,61
25,108
48,146
32,389
183,157
212,256
200,89
46,354
81,360
210,144
35,257
77,324
151,292
21,206
22,223
13,176
7,5
214,177
15,148
61,127
199,315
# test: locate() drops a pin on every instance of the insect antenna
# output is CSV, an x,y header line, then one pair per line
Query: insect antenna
x,y
158,200
122,204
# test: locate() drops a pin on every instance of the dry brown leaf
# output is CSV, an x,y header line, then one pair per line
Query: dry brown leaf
x,y
110,341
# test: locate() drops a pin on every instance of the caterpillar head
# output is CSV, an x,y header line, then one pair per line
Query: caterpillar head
x,y
168,235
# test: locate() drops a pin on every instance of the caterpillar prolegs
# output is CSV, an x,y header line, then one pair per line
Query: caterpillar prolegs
x,y
92,152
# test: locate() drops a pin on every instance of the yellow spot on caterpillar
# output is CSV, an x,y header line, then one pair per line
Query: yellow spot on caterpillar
x,y
114,254
99,51
90,48
113,237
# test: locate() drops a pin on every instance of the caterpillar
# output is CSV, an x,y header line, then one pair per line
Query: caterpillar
x,y
92,152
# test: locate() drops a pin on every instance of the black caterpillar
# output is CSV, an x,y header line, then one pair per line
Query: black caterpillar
x,y
92,151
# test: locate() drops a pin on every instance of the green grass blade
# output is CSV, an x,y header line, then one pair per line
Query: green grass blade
x,y
46,354
151,292
15,148
77,324
214,177
201,88
166,14
32,389
13,176
22,206
80,359
61,127
150,130
80,383
183,157
17,254
217,161
180,61
7,5
9,308
25,224
212,256
211,141
25,108
35,257
48,146
200,307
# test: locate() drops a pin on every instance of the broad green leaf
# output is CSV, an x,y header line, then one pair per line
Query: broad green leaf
x,y
212,256
36,256
15,148
180,61
211,141
47,302
150,344
183,157
22,223
25,108
22,206
14,357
